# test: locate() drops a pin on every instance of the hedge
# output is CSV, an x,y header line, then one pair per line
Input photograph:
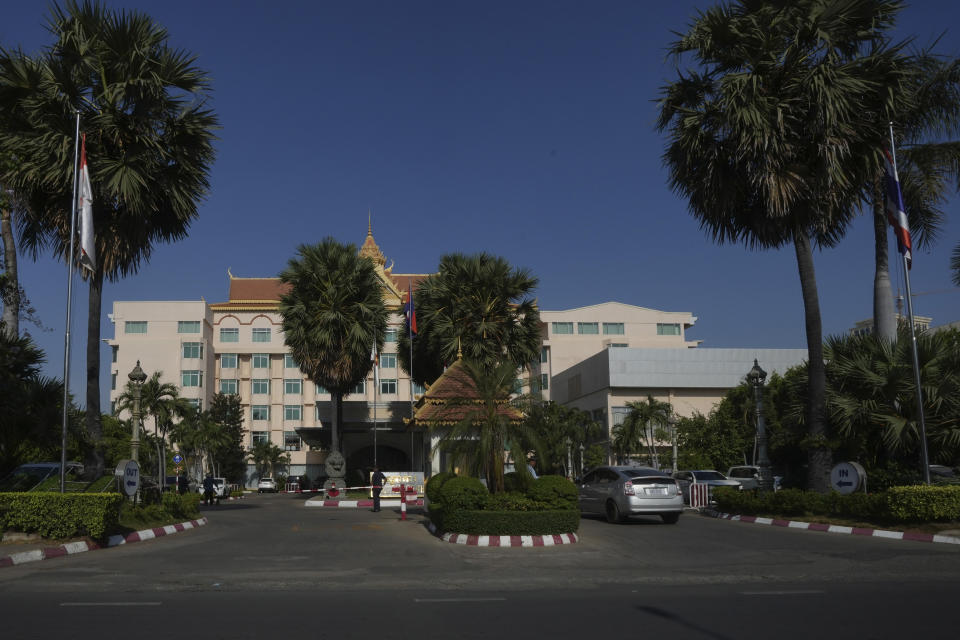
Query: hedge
x,y
510,523
435,483
60,515
897,504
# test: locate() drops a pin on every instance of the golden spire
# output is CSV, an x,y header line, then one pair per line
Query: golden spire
x,y
370,248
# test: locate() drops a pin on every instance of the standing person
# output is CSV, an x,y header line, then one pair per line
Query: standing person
x,y
183,485
377,481
532,467
208,489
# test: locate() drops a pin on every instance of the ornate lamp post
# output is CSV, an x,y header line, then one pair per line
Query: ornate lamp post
x,y
756,378
137,377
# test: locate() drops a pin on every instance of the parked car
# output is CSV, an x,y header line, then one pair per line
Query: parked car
x,y
747,475
32,474
267,484
708,477
621,492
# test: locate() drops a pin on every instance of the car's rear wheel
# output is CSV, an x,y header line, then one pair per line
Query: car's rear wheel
x,y
670,518
613,513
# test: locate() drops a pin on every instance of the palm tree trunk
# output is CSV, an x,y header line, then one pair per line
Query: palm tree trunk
x,y
884,316
818,455
337,400
94,424
11,296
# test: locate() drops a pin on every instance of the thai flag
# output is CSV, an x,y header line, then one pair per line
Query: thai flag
x,y
410,312
88,253
895,209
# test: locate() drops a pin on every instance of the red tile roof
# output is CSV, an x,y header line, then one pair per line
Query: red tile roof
x,y
453,397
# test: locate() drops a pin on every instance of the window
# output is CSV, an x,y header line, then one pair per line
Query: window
x,y
390,336
261,360
261,335
388,361
618,344
288,362
113,382
292,412
291,441
562,328
259,412
113,407
135,326
292,386
230,335
588,328
191,378
418,389
260,386
261,437
668,329
388,386
188,326
196,403
192,349
613,328
360,389
113,353
228,361
544,382
544,352
619,415
318,389
517,385
228,386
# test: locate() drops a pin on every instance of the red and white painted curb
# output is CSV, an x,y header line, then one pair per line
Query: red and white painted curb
x,y
353,504
79,547
835,528
505,541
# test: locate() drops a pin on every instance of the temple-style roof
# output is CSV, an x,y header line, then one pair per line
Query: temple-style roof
x,y
451,398
263,294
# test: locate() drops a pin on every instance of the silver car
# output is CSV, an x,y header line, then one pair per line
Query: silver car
x,y
620,492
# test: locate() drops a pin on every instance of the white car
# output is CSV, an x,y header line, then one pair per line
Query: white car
x,y
267,484
747,475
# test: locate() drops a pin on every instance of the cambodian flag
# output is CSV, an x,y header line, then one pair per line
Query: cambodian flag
x,y
410,312
896,214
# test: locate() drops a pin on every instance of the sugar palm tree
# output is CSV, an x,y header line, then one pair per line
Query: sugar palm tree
x,y
927,120
478,305
333,315
149,140
772,137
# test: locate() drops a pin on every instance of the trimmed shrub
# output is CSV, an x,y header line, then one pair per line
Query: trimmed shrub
x,y
60,515
510,501
435,483
554,492
463,493
185,506
511,523
923,503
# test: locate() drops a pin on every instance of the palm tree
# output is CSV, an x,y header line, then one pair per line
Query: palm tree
x,y
928,164
872,395
162,402
478,440
564,434
333,316
642,422
149,146
771,139
477,305
268,459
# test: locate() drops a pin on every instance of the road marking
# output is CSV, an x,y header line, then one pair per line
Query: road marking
x,y
110,604
798,592
459,599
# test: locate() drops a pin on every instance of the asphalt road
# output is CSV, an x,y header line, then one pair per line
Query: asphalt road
x,y
268,567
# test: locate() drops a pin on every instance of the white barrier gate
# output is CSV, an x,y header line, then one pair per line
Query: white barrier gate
x,y
699,495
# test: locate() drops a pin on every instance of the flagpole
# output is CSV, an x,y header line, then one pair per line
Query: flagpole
x,y
924,454
376,384
66,337
410,337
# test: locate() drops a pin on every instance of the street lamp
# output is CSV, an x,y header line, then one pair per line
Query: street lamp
x,y
137,377
755,378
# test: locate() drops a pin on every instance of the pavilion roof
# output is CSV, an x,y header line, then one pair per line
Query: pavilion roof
x,y
453,397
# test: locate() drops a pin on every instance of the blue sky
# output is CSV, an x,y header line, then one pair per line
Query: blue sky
x,y
524,129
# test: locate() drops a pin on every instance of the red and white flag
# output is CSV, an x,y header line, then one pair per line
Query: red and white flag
x,y
896,214
88,252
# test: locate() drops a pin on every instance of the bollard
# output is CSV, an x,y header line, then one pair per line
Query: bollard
x,y
403,502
